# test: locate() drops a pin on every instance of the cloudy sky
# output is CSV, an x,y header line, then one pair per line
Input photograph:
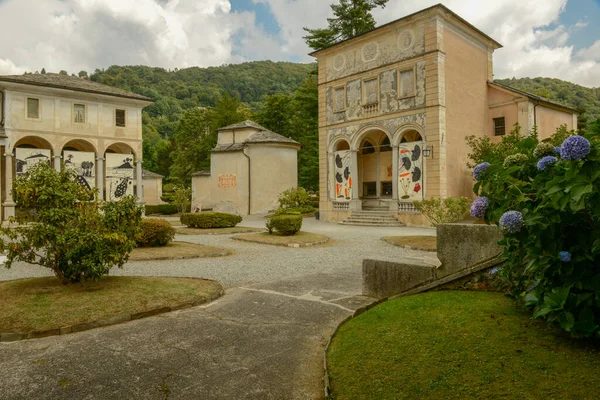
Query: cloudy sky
x,y
551,38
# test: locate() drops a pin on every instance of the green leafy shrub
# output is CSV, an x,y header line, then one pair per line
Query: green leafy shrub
x,y
151,209
76,238
207,220
443,211
167,209
154,233
292,198
182,199
549,211
285,224
295,210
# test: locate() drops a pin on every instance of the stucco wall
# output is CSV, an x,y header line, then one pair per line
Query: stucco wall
x,y
274,170
201,195
548,120
152,190
467,107
229,199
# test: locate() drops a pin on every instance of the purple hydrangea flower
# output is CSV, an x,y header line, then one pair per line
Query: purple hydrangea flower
x,y
479,168
564,256
495,270
557,150
575,148
546,162
479,207
511,222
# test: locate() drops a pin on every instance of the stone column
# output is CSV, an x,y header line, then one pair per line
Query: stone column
x,y
138,181
354,173
377,172
100,177
57,162
331,176
9,204
395,165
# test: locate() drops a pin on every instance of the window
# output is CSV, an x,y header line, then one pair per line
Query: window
x,y
33,108
386,189
407,83
79,113
370,92
369,189
499,126
120,118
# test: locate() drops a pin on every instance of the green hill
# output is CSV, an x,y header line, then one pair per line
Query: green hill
x,y
585,99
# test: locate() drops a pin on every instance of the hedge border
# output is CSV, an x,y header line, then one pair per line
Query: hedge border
x,y
117,319
292,245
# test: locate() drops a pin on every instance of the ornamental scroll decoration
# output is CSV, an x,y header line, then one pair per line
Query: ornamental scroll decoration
x,y
228,181
410,171
343,175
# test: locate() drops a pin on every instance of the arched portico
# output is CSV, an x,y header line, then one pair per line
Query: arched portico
x,y
122,169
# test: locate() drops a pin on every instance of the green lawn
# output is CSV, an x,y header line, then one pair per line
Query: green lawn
x,y
458,345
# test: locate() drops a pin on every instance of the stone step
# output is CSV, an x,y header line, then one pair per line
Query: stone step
x,y
351,219
376,224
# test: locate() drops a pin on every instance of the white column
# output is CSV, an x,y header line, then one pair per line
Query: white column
x,y
395,165
9,204
57,162
354,173
377,171
100,177
139,184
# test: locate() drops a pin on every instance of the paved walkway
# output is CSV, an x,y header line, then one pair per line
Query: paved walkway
x,y
263,340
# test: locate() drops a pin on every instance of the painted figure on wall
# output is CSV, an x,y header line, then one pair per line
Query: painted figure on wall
x,y
343,175
119,175
26,158
410,171
82,162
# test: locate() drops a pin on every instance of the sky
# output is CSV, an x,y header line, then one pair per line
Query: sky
x,y
549,38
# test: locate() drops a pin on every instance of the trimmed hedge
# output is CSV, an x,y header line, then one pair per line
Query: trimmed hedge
x,y
154,233
207,220
163,209
285,224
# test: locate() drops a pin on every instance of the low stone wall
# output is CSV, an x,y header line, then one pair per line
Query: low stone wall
x,y
463,249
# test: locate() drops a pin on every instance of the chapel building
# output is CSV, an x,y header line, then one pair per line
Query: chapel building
x,y
395,105
64,120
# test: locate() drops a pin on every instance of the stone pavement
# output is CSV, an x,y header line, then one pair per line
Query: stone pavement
x,y
263,340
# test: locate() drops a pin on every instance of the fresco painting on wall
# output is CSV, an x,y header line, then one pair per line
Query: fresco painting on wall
x,y
82,162
343,177
410,171
119,176
26,158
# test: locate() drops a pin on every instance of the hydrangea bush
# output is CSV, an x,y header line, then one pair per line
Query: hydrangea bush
x,y
548,208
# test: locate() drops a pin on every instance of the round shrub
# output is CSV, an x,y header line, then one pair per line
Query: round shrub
x,y
154,233
285,224
543,149
208,220
515,159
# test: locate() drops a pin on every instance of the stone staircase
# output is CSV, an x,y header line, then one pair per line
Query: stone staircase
x,y
372,217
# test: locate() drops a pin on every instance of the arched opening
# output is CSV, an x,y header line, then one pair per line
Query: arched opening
x,y
342,171
80,156
29,151
79,145
410,166
375,166
342,145
119,170
411,136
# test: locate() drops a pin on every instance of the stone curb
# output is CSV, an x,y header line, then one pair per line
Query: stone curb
x,y
213,255
293,245
249,230
13,337
408,247
355,314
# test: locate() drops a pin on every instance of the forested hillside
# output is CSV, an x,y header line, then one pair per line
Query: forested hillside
x,y
585,99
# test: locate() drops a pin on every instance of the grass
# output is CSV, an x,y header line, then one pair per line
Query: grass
x,y
300,238
458,345
176,250
217,231
415,242
43,303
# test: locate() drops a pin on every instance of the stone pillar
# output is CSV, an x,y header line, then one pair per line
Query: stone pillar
x,y
354,174
395,165
9,204
377,172
331,176
139,182
57,162
100,177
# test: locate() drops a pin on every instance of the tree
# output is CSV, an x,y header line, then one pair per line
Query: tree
x,y
351,18
227,111
63,72
182,198
83,74
43,71
76,238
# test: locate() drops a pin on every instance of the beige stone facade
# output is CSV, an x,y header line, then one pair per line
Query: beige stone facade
x,y
152,188
395,105
70,121
250,167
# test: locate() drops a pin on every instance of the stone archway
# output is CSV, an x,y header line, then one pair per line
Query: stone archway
x,y
375,169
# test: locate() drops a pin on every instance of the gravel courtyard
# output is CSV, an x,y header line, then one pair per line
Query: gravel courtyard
x,y
264,339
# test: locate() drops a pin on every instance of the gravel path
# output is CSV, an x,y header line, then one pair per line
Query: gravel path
x,y
257,263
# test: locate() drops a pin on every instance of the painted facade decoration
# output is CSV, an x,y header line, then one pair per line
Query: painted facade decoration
x,y
83,163
119,176
343,175
227,181
410,171
26,158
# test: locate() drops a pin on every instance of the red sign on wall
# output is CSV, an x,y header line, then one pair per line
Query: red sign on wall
x,y
227,181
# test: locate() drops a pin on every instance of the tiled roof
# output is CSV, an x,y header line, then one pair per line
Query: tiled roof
x,y
71,83
150,174
242,125
201,173
532,96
